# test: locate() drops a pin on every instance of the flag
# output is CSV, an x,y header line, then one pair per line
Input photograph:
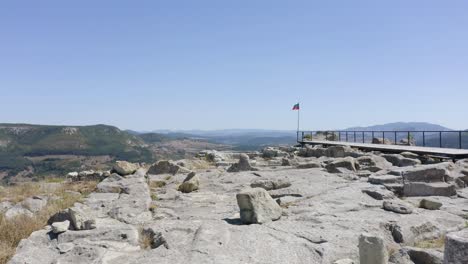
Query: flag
x,y
296,107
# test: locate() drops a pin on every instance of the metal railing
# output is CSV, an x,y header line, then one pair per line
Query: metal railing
x,y
446,139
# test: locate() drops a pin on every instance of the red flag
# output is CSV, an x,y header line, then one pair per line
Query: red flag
x,y
296,107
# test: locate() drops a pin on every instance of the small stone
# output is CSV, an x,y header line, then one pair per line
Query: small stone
x,y
257,207
397,207
242,165
190,184
372,250
430,204
60,227
124,168
164,167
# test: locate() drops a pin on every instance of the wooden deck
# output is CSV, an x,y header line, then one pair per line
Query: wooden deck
x,y
435,152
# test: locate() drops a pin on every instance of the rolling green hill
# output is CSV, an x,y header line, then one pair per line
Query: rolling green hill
x,y
19,142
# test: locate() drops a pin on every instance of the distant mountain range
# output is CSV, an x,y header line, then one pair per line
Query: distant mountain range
x,y
245,139
44,150
402,126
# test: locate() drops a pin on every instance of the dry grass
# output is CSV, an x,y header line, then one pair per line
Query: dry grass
x,y
431,243
21,227
168,177
157,184
18,193
146,239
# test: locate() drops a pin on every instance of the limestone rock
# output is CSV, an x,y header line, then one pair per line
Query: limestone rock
x,y
379,193
427,173
285,162
111,184
242,165
456,247
270,152
384,179
81,217
426,256
89,175
397,207
430,204
373,163
4,206
17,210
124,168
164,167
309,151
309,165
60,227
372,250
270,184
257,206
400,257
337,166
35,203
400,161
190,184
429,189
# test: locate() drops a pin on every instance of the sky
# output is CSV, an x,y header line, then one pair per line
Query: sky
x,y
147,65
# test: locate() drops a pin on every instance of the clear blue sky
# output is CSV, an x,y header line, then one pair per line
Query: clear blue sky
x,y
147,65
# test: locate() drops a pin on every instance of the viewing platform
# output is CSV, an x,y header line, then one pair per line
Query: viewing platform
x,y
334,138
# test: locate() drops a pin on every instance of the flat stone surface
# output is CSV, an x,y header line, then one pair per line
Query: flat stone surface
x,y
322,217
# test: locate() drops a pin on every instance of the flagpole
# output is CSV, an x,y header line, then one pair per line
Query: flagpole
x,y
298,119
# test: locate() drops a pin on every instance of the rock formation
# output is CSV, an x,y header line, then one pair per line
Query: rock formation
x,y
325,205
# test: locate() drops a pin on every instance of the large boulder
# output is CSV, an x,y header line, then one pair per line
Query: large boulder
x,y
270,184
60,227
428,189
456,247
164,167
427,173
270,152
190,184
373,163
430,204
426,256
81,217
309,151
372,249
242,165
124,167
341,165
17,210
257,207
35,203
401,161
